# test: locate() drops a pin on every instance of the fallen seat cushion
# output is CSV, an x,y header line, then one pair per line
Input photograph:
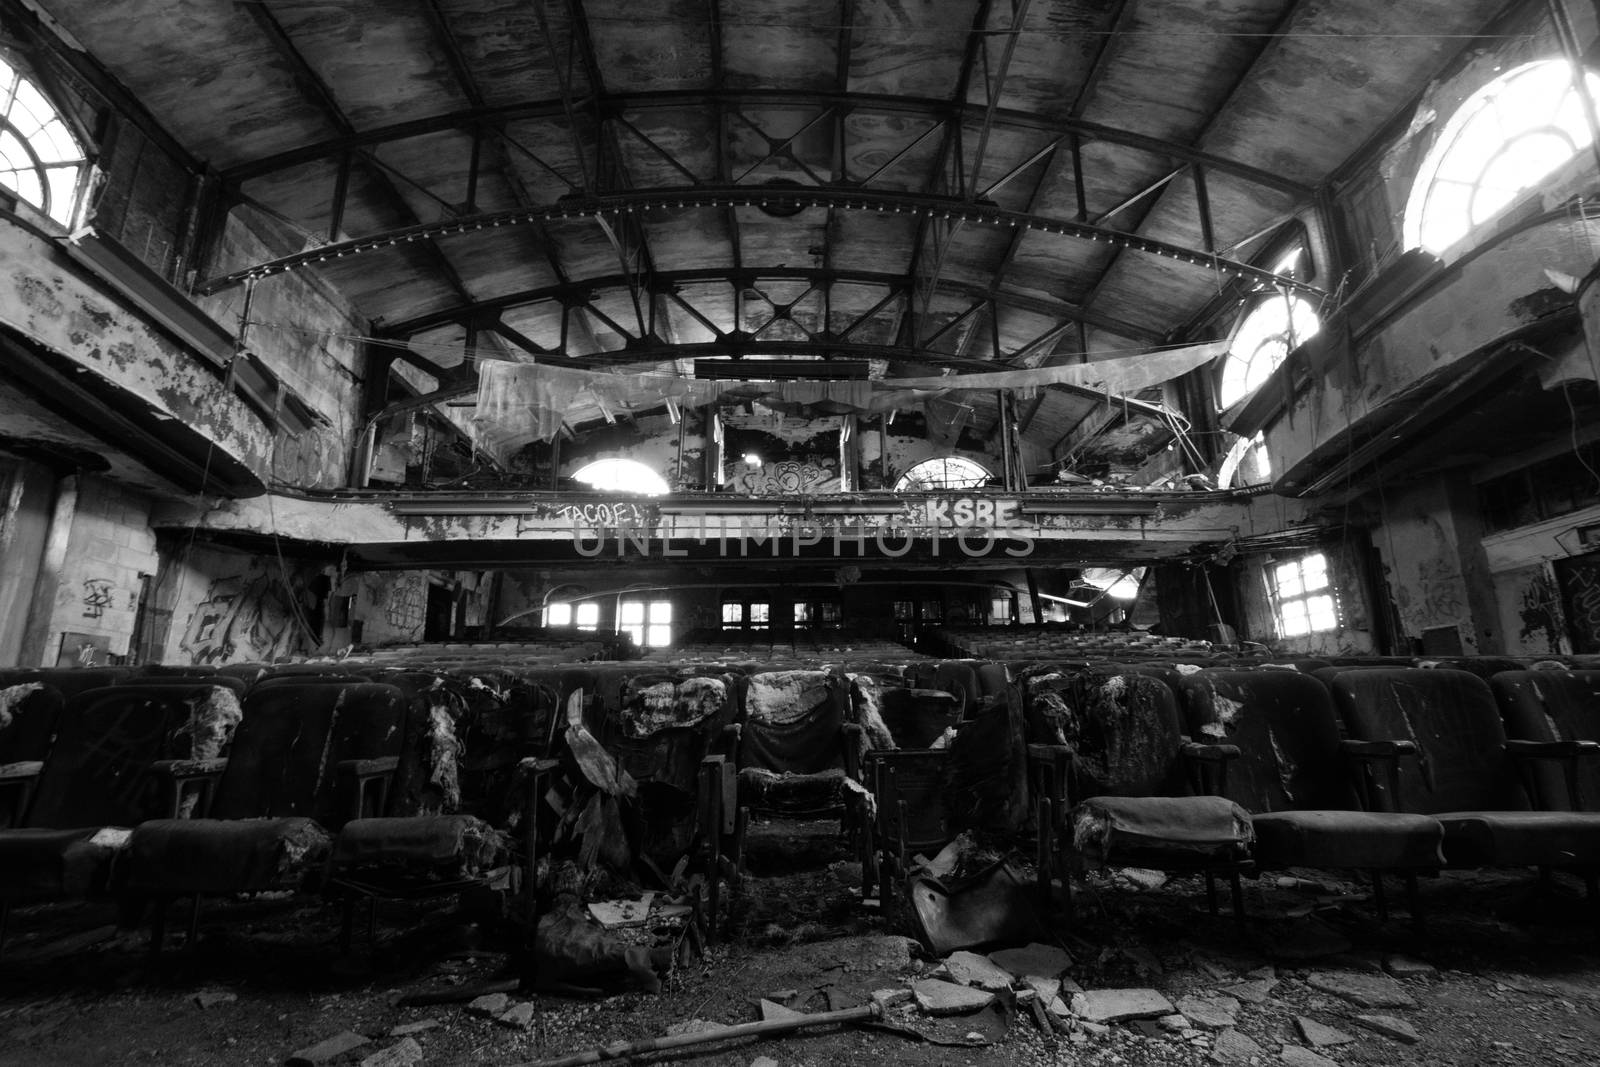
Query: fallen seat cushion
x,y
175,856
58,864
791,794
1109,829
1521,838
447,845
1347,840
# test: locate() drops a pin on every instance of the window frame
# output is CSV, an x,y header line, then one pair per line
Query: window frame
x,y
41,164
1305,594
1460,148
976,477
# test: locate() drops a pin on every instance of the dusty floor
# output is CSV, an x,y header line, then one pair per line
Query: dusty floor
x,y
1516,979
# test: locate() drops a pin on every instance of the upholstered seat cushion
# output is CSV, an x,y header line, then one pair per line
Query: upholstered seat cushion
x,y
1347,839
180,856
58,864
455,845
795,794
1111,829
1520,838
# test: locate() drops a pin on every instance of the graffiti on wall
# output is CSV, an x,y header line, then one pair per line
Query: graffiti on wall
x,y
245,618
595,515
406,606
97,597
786,476
310,460
1541,612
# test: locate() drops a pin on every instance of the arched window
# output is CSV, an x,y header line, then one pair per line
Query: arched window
x,y
1505,139
40,160
622,476
1273,328
948,472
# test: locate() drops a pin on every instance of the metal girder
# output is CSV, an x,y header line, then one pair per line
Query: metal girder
x,y
1271,40
574,293
943,209
312,86
954,111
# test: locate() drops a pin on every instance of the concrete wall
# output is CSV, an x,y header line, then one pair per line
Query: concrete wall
x,y
78,549
1259,617
305,333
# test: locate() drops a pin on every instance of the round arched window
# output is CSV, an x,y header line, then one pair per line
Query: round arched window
x,y
947,472
1503,140
1272,329
622,476
40,160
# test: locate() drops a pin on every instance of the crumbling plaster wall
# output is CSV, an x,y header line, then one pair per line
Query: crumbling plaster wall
x,y
306,334
96,597
217,605
1259,617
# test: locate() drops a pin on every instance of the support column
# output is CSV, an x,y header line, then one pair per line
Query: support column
x,y
36,651
23,529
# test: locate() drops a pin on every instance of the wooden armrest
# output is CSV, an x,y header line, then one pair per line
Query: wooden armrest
x,y
21,771
368,768
1377,749
182,775
1209,752
1373,755
186,769
1553,749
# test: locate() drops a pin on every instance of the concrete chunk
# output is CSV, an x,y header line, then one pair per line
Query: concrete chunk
x,y
969,968
518,1016
1043,961
1318,1035
1257,992
406,1053
1234,1047
1210,1013
490,1005
936,997
1362,990
773,1010
327,1050
1409,967
888,998
1391,1027
1113,1005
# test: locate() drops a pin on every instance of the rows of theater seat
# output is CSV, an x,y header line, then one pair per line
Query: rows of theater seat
x,y
436,748
1364,767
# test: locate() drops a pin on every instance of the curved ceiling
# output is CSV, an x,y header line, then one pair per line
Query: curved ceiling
x,y
929,182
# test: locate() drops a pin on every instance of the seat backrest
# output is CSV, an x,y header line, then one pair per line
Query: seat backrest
x,y
794,722
98,769
916,718
1287,732
909,787
1451,716
1129,737
1553,706
28,715
1482,666
288,747
68,681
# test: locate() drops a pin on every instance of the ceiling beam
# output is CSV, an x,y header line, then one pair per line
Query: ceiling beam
x,y
943,209
952,111
321,97
576,292
1272,39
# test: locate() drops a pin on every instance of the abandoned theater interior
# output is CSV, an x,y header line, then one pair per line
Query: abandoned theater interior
x,y
1089,509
